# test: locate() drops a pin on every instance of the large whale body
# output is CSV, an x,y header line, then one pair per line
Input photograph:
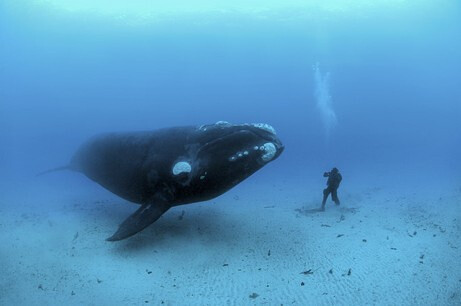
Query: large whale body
x,y
174,166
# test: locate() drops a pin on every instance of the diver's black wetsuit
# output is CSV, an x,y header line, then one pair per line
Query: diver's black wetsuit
x,y
334,179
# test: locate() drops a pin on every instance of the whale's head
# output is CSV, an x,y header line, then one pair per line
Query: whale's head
x,y
225,154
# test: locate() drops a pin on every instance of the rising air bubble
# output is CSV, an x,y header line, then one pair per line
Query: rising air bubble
x,y
323,100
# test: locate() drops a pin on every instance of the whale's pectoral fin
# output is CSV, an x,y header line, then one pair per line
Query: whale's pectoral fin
x,y
142,218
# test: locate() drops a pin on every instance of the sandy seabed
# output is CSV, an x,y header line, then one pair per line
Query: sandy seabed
x,y
259,244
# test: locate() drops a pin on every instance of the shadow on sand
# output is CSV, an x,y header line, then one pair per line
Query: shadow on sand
x,y
205,224
306,211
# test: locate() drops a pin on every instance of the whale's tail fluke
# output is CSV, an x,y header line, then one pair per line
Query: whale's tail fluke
x,y
54,170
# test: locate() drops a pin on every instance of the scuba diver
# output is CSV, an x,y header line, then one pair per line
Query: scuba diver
x,y
334,179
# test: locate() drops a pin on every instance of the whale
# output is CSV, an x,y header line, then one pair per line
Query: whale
x,y
174,166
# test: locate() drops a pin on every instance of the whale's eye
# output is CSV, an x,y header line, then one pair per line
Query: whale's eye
x,y
269,151
181,167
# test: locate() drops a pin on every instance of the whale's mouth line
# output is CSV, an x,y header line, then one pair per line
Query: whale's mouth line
x,y
264,135
210,144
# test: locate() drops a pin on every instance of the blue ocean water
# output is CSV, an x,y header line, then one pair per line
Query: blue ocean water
x,y
371,88
394,73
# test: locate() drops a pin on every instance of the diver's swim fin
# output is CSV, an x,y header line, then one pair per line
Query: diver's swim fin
x,y
142,218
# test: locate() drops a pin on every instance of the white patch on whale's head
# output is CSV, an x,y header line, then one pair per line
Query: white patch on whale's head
x,y
223,123
264,126
269,151
181,167
220,124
